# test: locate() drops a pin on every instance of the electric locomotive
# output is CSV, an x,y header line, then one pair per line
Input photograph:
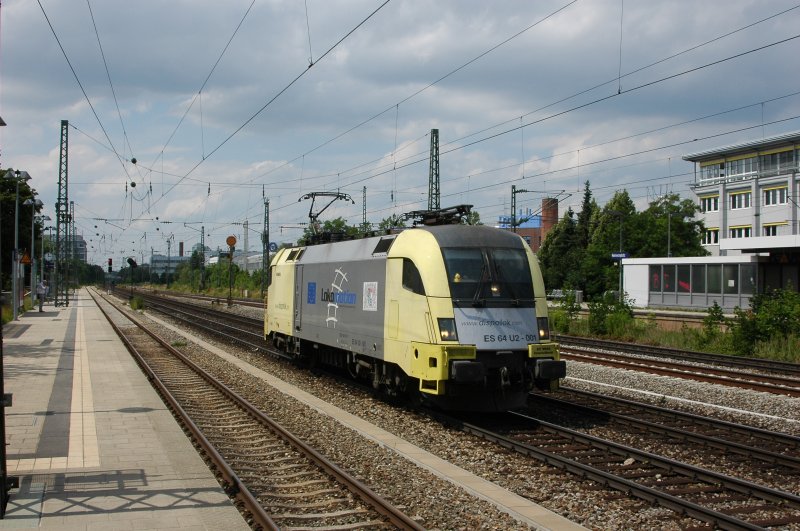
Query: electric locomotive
x,y
453,315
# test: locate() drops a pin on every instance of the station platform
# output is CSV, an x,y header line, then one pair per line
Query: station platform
x,y
91,442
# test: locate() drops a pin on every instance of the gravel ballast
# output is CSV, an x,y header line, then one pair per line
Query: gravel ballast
x,y
439,505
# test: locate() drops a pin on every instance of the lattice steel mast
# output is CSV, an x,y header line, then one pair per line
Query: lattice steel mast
x,y
433,173
60,296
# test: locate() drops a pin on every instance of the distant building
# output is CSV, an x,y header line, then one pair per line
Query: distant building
x,y
748,198
161,263
75,247
533,227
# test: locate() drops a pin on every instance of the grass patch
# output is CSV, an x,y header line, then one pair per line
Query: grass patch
x,y
137,303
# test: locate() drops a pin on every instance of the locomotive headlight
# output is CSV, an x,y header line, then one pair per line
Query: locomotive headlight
x,y
544,329
447,329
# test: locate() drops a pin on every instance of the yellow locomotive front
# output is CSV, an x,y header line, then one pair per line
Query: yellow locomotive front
x,y
466,317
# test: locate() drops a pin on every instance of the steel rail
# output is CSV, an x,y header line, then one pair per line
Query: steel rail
x,y
778,366
779,437
787,386
651,495
661,429
235,487
396,517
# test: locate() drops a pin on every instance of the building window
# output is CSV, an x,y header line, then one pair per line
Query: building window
x,y
709,204
741,232
684,283
740,200
776,163
655,278
711,237
747,278
730,277
775,196
698,278
742,166
715,279
771,229
668,279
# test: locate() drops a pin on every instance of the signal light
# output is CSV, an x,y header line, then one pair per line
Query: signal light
x,y
109,265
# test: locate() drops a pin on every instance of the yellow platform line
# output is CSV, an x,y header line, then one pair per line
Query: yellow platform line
x,y
83,449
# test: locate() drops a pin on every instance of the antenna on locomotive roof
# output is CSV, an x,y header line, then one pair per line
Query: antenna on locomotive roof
x,y
440,216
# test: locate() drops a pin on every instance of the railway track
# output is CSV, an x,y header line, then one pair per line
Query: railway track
x,y
761,456
249,332
724,360
278,481
246,331
723,501
642,474
254,303
768,446
730,377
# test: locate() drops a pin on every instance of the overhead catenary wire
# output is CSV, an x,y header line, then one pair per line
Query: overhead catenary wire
x,y
421,157
205,81
426,87
310,173
567,98
276,96
83,90
110,82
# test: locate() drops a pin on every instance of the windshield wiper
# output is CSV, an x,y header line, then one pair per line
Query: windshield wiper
x,y
476,299
508,284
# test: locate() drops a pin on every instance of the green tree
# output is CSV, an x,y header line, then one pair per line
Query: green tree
x,y
392,222
331,226
558,250
587,213
563,253
670,222
8,195
615,226
473,218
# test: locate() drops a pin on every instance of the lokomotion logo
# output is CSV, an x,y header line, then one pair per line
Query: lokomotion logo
x,y
331,296
346,298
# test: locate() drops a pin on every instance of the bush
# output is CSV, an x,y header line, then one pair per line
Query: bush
x,y
773,316
137,303
609,316
559,322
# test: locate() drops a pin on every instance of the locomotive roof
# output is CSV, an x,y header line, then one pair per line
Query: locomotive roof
x,y
473,235
375,247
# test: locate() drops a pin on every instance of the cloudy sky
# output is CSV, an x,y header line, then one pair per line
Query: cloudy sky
x,y
218,104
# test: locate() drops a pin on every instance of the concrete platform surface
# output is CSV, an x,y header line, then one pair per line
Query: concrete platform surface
x,y
90,440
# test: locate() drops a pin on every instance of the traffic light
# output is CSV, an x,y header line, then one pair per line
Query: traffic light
x,y
109,265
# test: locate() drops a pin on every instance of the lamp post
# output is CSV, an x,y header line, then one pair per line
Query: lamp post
x,y
169,255
19,176
41,255
619,215
33,203
669,231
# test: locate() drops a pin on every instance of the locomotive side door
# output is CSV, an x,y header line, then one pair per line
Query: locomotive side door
x,y
298,297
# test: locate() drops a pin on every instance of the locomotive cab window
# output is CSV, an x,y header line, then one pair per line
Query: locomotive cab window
x,y
412,280
489,277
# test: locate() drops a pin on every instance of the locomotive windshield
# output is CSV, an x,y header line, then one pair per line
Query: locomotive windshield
x,y
496,277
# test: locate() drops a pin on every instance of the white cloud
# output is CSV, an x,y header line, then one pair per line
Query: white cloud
x,y
160,53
